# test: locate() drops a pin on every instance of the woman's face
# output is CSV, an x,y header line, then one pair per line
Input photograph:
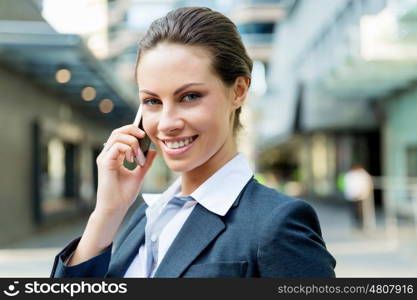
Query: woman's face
x,y
187,110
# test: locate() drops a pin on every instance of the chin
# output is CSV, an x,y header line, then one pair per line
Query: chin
x,y
179,165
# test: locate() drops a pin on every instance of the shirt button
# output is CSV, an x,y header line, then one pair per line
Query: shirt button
x,y
153,238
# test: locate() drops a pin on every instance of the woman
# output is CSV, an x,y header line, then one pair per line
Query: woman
x,y
194,74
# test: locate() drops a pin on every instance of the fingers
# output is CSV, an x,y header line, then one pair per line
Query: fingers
x,y
140,157
118,151
129,140
129,129
128,134
149,160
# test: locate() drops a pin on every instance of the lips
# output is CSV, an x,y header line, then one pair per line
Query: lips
x,y
180,150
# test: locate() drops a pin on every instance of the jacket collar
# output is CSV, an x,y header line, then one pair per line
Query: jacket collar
x,y
200,229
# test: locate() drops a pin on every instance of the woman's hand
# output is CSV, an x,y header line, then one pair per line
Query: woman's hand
x,y
118,187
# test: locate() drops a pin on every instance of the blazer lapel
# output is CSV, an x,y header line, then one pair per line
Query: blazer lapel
x,y
122,258
201,227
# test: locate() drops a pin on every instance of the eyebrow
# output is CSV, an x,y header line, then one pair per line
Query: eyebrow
x,y
177,91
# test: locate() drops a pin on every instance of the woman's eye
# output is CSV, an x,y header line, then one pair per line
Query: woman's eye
x,y
151,101
191,97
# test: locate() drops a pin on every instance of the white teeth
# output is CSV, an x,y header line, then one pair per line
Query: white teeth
x,y
175,145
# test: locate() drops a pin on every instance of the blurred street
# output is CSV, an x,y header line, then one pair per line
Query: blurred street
x,y
360,255
34,256
357,255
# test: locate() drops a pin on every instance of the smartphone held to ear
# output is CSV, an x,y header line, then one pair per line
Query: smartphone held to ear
x,y
145,142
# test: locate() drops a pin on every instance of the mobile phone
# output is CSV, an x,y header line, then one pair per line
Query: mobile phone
x,y
145,142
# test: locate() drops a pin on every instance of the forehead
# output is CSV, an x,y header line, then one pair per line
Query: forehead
x,y
174,63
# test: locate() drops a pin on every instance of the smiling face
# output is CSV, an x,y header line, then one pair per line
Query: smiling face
x,y
187,110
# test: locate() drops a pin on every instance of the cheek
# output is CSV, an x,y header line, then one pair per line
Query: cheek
x,y
200,120
212,122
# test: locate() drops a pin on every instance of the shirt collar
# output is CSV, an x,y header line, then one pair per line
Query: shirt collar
x,y
217,193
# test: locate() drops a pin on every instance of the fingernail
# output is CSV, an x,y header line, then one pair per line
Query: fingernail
x,y
140,158
141,131
140,161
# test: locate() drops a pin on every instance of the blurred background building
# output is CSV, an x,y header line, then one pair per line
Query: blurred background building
x,y
334,84
58,104
346,86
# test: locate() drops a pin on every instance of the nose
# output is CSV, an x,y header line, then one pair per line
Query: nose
x,y
170,121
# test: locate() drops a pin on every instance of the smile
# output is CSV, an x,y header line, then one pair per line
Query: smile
x,y
179,146
181,143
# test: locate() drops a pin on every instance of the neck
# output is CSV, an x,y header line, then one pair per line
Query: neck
x,y
192,179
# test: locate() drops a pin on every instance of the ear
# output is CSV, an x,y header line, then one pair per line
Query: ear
x,y
240,91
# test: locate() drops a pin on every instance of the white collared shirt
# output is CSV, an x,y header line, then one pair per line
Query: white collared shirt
x,y
217,194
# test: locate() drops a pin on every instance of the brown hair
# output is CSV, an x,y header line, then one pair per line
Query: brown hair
x,y
201,26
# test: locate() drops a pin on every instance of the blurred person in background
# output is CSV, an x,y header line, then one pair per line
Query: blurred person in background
x,y
358,190
216,219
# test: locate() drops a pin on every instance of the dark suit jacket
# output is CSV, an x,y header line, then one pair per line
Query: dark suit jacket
x,y
264,234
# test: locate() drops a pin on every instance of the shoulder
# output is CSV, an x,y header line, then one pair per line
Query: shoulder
x,y
269,202
277,214
289,238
